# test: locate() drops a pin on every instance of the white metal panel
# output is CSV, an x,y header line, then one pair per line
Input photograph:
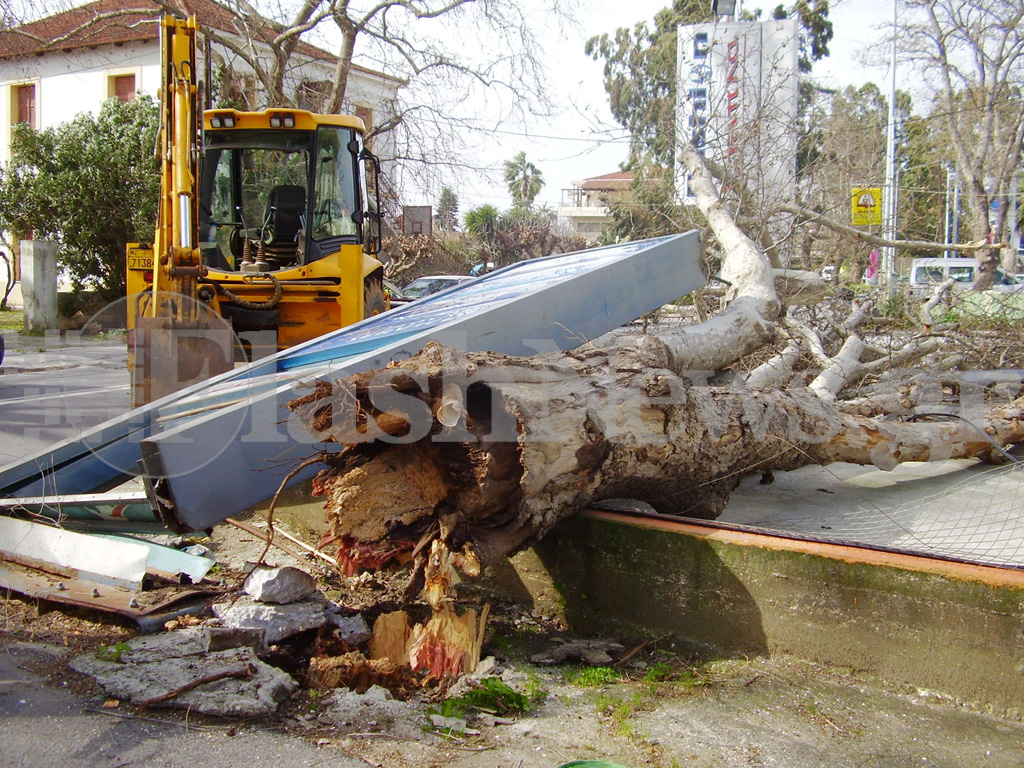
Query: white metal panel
x,y
116,563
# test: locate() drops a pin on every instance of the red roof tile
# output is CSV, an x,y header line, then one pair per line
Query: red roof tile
x,y
617,180
106,22
617,176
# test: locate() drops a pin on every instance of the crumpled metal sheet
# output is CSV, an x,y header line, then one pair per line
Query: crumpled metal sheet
x,y
149,609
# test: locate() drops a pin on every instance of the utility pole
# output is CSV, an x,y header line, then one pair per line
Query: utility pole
x,y
949,219
956,211
889,212
1014,233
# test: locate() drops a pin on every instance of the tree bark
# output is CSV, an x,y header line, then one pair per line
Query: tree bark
x,y
539,439
483,453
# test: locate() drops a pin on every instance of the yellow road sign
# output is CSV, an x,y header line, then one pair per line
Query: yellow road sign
x,y
867,206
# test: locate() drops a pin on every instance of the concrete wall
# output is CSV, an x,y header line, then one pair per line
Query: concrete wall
x,y
948,627
39,284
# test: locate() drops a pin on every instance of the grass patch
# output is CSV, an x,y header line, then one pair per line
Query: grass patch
x,y
594,677
620,711
11,319
448,708
112,652
659,672
535,690
492,695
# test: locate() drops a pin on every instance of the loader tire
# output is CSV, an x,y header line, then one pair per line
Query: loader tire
x,y
373,299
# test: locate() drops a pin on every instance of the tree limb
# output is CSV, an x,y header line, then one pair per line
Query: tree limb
x,y
808,214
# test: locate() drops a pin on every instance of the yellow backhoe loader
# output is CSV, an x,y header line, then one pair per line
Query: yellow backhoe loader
x,y
265,231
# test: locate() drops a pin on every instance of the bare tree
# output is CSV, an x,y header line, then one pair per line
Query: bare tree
x,y
971,54
499,65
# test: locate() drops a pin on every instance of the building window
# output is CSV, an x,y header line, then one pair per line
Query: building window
x,y
366,115
25,107
121,87
313,95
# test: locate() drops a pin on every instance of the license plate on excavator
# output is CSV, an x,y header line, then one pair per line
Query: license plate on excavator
x,y
140,262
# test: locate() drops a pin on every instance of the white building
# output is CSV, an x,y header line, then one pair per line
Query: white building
x,y
737,87
95,56
585,204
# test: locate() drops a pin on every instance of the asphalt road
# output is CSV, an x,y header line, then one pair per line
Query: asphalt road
x,y
46,726
53,388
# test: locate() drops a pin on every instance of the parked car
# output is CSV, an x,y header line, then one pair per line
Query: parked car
x,y
395,294
425,286
927,274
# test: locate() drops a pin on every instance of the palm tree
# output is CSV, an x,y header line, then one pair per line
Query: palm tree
x,y
524,180
482,222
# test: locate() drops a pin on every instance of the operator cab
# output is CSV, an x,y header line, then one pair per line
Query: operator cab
x,y
278,190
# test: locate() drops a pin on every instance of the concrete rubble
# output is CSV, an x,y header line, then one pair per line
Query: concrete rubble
x,y
279,622
279,585
375,711
216,669
353,630
152,666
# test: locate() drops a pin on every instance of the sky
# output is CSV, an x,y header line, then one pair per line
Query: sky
x,y
585,140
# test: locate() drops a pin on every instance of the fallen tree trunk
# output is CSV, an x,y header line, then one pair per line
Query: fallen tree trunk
x,y
482,453
537,439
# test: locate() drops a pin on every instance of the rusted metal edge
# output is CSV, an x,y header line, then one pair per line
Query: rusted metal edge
x,y
149,611
852,552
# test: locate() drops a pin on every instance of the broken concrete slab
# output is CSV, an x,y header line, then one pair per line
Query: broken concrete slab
x,y
222,638
153,667
279,622
279,585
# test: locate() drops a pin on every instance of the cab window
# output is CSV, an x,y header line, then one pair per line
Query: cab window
x,y
962,274
335,190
254,188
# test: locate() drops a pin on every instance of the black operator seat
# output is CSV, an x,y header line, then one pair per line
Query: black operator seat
x,y
285,217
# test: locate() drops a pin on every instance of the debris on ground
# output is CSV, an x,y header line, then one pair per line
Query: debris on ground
x,y
231,683
279,585
374,711
594,652
278,622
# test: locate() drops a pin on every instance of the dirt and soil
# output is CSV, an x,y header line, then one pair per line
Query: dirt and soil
x,y
661,707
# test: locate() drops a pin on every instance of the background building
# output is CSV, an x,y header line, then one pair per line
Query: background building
x,y
63,65
585,204
736,102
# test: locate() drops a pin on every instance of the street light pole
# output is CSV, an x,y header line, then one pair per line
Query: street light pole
x,y
890,216
947,223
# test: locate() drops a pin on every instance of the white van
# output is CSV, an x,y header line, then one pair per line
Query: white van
x,y
927,274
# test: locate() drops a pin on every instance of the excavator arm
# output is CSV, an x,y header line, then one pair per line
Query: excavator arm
x,y
177,339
